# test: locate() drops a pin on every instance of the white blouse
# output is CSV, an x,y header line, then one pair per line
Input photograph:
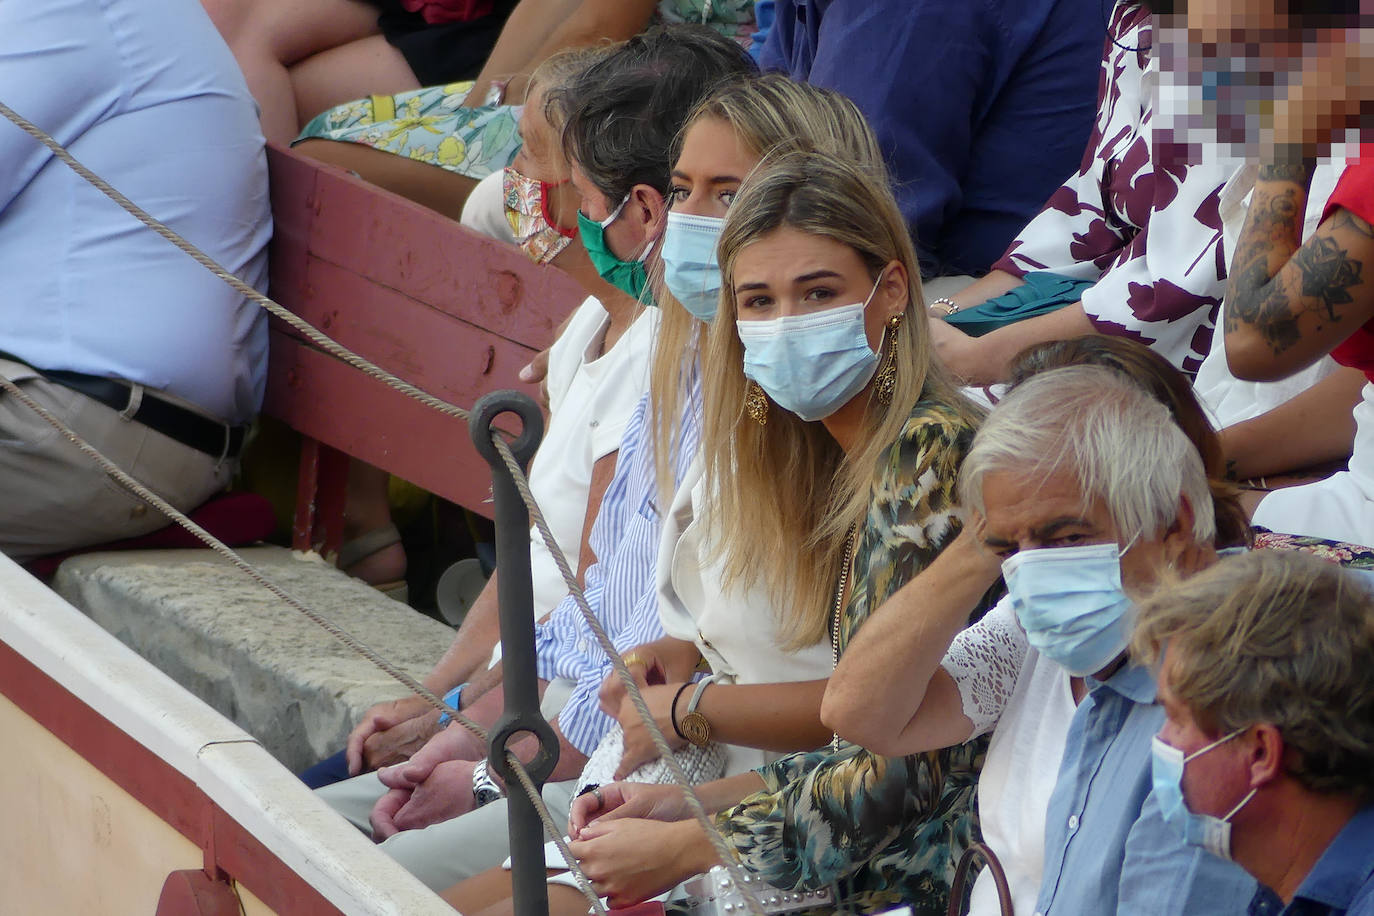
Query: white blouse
x,y
737,634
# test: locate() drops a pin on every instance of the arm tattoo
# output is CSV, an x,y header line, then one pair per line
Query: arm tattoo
x,y
1325,275
1344,219
1299,172
1274,221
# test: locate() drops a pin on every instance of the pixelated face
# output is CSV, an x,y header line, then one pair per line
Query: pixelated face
x,y
1246,77
1233,21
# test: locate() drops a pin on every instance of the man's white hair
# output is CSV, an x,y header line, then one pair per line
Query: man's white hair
x,y
1114,438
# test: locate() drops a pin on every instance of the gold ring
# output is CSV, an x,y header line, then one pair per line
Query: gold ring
x,y
633,658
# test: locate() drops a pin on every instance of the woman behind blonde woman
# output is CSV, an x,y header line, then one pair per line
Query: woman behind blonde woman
x,y
831,443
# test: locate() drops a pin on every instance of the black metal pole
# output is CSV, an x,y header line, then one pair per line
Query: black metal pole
x,y
521,714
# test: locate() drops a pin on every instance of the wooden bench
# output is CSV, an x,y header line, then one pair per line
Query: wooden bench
x,y
451,311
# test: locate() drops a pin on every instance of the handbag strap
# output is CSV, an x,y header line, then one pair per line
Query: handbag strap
x,y
961,875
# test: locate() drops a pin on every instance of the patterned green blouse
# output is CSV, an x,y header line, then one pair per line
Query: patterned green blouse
x,y
885,830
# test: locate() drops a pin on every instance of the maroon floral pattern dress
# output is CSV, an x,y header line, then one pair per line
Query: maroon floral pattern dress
x,y
1141,217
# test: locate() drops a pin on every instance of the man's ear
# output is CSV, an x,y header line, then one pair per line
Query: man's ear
x,y
1179,536
649,211
1264,752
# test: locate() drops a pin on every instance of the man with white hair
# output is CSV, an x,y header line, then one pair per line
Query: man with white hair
x,y
1082,490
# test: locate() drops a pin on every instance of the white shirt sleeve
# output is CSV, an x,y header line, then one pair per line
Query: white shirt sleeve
x,y
985,660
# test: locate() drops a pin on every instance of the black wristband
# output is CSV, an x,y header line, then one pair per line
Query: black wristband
x,y
672,711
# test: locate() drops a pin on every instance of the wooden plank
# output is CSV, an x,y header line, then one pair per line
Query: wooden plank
x,y
341,407
387,240
448,310
449,357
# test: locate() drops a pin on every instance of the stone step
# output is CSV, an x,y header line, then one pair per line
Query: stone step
x,y
260,663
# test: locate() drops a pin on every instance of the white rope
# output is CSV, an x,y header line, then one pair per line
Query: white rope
x,y
324,342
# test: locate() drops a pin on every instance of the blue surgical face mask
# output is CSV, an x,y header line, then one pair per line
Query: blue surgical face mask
x,y
1070,602
690,269
1166,770
813,364
629,277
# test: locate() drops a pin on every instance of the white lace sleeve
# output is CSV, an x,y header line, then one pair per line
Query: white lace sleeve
x,y
984,661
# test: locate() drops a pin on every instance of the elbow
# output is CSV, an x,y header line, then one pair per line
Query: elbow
x,y
1250,360
835,709
842,715
860,723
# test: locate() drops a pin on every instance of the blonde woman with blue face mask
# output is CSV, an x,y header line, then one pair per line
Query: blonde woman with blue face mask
x,y
831,487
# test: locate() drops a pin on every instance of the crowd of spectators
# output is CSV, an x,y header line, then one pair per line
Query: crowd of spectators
x,y
955,447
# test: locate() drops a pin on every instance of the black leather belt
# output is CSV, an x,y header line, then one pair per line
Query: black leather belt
x,y
172,420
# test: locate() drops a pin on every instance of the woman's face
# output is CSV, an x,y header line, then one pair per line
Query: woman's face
x,y
710,168
541,158
789,272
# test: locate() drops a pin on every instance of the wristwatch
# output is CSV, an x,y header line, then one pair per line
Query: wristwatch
x,y
485,790
694,726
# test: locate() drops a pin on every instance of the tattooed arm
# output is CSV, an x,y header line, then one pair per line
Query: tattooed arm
x,y
1290,302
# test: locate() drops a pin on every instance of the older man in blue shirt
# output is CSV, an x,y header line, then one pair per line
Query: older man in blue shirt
x,y
1266,671
1081,488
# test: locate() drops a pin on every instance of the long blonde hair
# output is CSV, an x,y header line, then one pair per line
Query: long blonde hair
x,y
769,114
785,494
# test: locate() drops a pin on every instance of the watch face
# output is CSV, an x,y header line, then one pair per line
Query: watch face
x,y
486,796
696,729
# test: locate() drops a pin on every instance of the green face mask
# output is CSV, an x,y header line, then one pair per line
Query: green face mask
x,y
627,276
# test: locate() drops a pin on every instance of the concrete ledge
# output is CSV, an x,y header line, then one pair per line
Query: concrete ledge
x,y
59,864
234,645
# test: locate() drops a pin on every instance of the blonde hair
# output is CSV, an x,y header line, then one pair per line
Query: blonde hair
x,y
787,490
1281,638
560,69
769,114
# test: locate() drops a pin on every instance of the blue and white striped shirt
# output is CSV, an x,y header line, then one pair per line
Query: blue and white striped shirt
x,y
620,586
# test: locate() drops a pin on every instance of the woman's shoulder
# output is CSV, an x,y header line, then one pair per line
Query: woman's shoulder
x,y
928,451
933,421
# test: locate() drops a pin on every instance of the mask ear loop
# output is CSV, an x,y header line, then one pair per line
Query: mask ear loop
x,y
1216,744
615,214
1129,544
544,189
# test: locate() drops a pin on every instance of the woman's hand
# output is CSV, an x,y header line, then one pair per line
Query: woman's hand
x,y
630,860
662,661
617,800
639,746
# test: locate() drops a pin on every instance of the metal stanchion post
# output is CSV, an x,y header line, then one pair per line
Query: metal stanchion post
x,y
521,715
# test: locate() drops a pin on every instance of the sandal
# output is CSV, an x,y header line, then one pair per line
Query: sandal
x,y
368,544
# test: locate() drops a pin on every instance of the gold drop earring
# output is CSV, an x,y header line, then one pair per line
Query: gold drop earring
x,y
756,403
886,383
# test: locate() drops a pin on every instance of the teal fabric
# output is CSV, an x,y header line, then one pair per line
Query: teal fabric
x,y
1041,294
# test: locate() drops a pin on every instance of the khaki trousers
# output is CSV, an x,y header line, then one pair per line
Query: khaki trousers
x,y
53,497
